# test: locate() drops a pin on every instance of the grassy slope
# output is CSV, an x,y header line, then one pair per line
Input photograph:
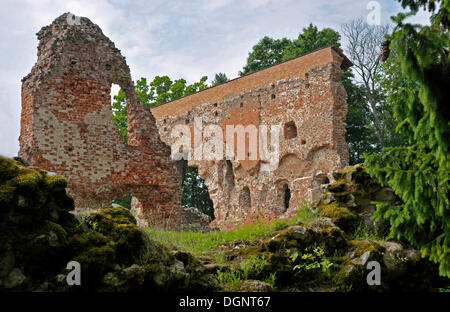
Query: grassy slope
x,y
199,243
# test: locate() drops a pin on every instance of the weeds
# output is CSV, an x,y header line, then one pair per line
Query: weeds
x,y
362,232
253,266
271,279
304,214
219,257
312,261
87,219
229,280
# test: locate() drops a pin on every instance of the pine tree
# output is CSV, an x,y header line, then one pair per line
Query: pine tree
x,y
419,174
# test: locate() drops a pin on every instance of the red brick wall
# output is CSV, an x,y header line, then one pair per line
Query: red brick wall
x,y
67,126
306,92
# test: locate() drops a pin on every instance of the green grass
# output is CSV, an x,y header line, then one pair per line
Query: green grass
x,y
229,280
304,214
252,266
249,268
199,243
362,232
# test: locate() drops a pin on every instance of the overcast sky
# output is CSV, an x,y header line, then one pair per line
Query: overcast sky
x,y
181,39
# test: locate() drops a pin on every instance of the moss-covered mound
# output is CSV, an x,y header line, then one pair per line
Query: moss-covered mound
x,y
334,251
319,256
39,237
351,199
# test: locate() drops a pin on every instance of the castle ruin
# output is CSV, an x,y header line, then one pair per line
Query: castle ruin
x,y
67,128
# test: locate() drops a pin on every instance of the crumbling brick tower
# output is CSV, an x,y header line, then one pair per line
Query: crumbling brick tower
x,y
67,126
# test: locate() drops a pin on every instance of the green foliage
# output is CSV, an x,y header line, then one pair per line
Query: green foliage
x,y
253,266
124,201
266,52
395,87
87,220
304,214
219,257
312,261
250,268
442,15
361,135
419,174
119,114
219,79
195,192
229,280
310,39
166,90
271,279
362,232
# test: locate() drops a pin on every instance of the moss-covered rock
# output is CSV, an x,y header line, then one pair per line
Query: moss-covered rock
x,y
350,199
39,236
339,214
254,286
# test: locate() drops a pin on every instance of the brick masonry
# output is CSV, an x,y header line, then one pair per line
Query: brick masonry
x,y
67,127
306,97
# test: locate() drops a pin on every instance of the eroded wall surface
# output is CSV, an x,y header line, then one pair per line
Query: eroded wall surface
x,y
306,98
67,126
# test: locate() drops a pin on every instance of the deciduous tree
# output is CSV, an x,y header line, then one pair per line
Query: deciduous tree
x,y
363,48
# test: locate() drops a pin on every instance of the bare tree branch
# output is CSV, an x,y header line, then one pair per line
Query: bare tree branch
x,y
363,49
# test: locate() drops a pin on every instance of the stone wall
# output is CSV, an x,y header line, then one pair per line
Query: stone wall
x,y
305,97
67,126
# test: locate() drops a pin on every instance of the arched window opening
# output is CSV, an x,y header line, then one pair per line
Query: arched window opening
x,y
124,201
245,200
290,130
283,196
287,197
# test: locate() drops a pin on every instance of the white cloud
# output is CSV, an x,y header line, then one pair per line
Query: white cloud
x,y
211,5
253,4
422,17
